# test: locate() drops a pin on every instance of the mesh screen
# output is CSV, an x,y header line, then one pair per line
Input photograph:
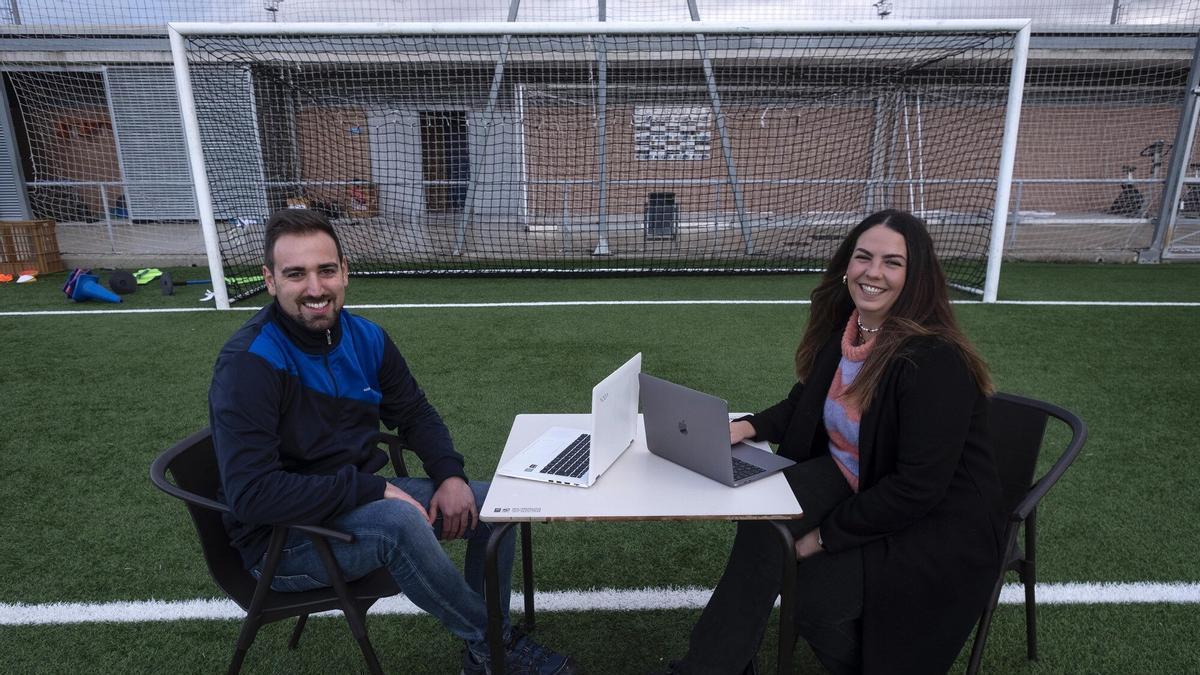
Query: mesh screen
x,y
628,153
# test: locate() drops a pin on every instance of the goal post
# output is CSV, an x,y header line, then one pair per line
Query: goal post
x,y
601,148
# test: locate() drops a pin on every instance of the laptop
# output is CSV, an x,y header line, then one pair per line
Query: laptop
x,y
691,429
578,457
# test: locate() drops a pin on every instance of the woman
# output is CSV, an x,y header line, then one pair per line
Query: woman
x,y
900,541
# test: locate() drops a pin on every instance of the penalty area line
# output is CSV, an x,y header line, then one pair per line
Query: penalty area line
x,y
593,600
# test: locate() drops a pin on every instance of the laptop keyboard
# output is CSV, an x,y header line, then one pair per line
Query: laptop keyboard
x,y
744,469
574,460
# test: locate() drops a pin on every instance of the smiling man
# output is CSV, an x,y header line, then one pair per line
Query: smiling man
x,y
296,402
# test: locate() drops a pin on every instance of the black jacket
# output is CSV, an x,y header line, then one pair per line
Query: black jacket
x,y
927,514
294,416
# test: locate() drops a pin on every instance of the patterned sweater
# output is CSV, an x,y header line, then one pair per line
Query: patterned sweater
x,y
842,415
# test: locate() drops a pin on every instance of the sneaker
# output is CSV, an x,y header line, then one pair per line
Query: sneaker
x,y
523,656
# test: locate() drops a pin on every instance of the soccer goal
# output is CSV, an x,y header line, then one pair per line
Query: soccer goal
x,y
601,148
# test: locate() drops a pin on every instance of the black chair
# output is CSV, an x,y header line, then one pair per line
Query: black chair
x,y
193,466
1018,425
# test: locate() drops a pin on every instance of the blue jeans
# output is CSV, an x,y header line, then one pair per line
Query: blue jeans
x,y
391,533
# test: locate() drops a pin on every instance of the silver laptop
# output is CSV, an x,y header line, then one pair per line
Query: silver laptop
x,y
691,429
578,457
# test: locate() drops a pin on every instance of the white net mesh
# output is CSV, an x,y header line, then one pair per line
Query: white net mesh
x,y
642,152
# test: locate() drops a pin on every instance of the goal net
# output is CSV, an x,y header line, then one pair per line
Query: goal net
x,y
599,148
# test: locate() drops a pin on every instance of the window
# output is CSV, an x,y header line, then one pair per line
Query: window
x,y
672,133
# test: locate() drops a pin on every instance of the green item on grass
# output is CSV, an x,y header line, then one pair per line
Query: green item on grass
x,y
146,275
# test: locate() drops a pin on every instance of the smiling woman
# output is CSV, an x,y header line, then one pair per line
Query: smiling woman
x,y
899,544
875,275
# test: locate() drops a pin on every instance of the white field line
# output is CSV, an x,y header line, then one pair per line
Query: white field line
x,y
611,600
582,303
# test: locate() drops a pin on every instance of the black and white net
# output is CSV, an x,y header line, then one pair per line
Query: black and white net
x,y
631,153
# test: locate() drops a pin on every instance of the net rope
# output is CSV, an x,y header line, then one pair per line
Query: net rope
x,y
601,154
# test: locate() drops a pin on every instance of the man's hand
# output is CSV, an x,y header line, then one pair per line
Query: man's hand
x,y
393,492
455,503
808,545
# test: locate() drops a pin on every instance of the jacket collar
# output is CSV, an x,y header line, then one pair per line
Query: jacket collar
x,y
305,339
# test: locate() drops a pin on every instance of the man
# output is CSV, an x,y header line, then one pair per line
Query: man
x,y
297,397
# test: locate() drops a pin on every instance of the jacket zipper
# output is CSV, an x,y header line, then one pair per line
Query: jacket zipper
x,y
328,344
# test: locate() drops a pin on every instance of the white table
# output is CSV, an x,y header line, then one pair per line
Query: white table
x,y
638,486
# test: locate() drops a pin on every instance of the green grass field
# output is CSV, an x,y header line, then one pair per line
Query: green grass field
x,y
90,399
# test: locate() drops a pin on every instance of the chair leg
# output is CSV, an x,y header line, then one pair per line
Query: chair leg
x,y
985,624
1030,579
354,616
359,630
235,666
245,638
1028,572
294,641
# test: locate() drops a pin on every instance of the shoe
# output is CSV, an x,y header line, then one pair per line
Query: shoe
x,y
523,656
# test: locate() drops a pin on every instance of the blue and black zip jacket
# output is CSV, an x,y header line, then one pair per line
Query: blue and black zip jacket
x,y
294,415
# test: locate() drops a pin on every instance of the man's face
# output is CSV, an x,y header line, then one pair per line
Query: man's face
x,y
308,280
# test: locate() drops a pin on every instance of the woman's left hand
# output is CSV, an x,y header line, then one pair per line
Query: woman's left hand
x,y
808,545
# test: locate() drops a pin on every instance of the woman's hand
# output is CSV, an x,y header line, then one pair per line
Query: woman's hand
x,y
809,545
740,431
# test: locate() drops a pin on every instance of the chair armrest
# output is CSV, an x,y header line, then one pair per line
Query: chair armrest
x,y
158,477
1079,436
319,531
395,447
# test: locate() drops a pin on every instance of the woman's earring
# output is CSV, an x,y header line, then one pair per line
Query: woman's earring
x,y
843,279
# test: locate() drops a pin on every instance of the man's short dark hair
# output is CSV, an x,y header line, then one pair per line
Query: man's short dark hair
x,y
296,221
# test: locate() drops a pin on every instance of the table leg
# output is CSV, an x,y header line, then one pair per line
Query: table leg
x,y
787,599
527,573
491,593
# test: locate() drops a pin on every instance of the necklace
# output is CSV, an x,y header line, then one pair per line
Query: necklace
x,y
868,330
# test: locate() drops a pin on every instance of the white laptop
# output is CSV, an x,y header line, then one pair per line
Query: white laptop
x,y
578,457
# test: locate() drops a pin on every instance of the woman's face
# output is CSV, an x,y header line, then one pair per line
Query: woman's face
x,y
875,275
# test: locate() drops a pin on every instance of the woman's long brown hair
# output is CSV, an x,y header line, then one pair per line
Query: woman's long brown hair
x,y
922,309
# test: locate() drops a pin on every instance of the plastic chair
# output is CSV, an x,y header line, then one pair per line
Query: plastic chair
x,y
1018,425
192,465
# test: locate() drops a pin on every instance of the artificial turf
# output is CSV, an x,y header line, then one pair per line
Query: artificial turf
x,y
92,399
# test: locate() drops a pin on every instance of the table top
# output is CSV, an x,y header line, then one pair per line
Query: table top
x,y
638,486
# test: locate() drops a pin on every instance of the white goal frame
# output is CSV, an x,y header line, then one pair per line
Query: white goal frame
x,y
179,32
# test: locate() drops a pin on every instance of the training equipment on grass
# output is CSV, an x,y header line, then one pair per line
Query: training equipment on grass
x,y
84,287
602,148
146,275
167,283
122,282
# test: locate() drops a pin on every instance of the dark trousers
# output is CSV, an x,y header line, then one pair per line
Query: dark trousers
x,y
829,588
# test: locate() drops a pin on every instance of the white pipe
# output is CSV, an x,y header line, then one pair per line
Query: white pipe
x,y
191,129
524,159
908,153
594,27
1008,155
920,154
